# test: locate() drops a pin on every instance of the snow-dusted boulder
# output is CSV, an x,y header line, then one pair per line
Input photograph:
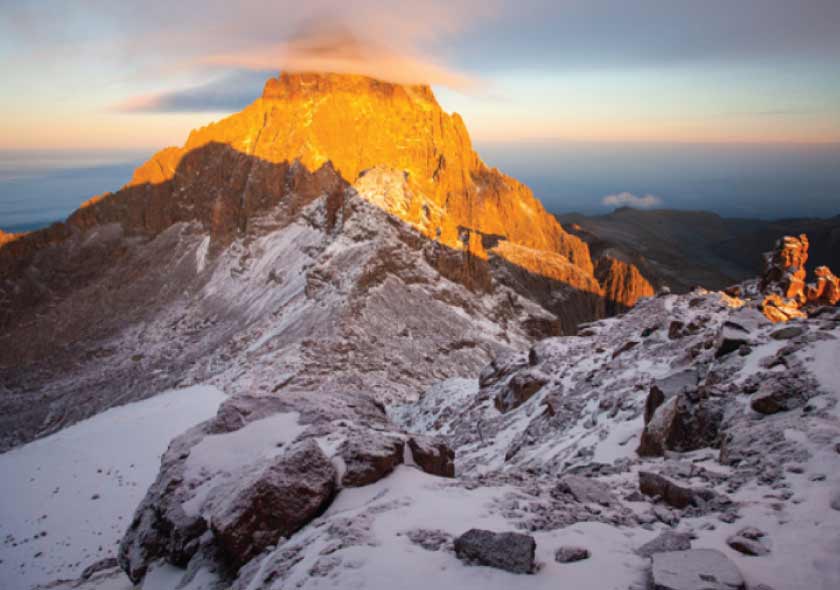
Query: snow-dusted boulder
x,y
513,552
433,455
273,501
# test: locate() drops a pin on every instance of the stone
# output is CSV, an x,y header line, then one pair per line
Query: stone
x,y
752,533
370,457
680,424
433,455
695,569
835,501
274,502
786,333
519,389
512,552
667,541
747,546
655,485
586,490
570,554
778,394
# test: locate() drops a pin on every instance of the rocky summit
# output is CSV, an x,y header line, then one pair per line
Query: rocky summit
x,y
322,345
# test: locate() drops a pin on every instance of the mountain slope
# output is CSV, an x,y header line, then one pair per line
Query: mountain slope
x,y
329,205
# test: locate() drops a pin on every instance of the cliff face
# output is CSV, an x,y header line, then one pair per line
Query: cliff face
x,y
622,283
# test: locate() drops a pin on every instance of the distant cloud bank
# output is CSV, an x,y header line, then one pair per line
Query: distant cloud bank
x,y
631,200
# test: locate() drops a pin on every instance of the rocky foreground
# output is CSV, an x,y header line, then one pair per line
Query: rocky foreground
x,y
690,443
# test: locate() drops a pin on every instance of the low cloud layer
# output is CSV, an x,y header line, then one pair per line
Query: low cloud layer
x,y
631,200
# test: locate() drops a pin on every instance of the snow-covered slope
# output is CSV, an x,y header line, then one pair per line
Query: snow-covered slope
x,y
66,498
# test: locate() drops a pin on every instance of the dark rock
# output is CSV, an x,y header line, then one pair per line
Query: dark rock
x,y
512,552
433,455
747,546
667,541
680,424
778,394
787,333
520,388
274,502
369,458
695,569
569,554
835,501
625,347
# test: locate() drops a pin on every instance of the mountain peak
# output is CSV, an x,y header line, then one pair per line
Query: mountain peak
x,y
294,85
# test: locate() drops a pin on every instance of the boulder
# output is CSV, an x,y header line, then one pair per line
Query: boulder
x,y
370,457
654,485
732,336
518,390
835,501
680,424
512,552
433,455
747,546
695,569
667,541
586,490
570,554
274,502
779,393
786,333
826,289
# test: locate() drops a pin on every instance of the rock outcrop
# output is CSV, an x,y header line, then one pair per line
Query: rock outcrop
x,y
622,282
787,296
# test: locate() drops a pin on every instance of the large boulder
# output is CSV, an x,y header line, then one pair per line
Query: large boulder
x,y
695,569
274,501
369,457
519,389
680,424
433,455
512,552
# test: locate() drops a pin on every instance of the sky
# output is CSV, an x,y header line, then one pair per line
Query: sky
x,y
96,74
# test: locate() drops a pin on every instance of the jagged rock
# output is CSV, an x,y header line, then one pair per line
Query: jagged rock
x,y
654,485
500,367
433,455
747,546
513,552
679,424
586,490
695,569
274,502
667,541
518,390
370,457
570,554
826,289
732,337
622,283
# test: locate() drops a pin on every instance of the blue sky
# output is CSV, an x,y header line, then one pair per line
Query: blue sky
x,y
91,74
